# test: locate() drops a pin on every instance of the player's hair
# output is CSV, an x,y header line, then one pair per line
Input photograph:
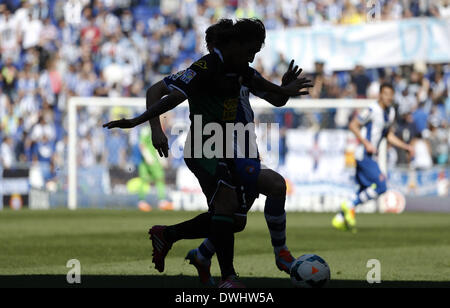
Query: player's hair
x,y
225,31
219,34
250,29
386,85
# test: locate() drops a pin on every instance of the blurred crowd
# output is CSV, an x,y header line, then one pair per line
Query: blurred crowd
x,y
297,13
53,49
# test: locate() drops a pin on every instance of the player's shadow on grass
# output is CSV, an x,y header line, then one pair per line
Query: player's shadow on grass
x,y
181,281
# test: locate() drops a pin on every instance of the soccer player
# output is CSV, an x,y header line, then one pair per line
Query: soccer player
x,y
370,127
151,171
256,178
212,87
265,181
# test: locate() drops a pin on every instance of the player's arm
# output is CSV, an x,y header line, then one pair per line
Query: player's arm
x,y
294,88
162,106
181,86
292,73
159,139
355,128
397,142
153,95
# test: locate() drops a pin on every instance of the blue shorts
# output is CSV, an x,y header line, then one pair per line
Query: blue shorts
x,y
368,172
247,171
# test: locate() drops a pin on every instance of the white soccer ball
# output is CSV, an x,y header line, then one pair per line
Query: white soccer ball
x,y
310,271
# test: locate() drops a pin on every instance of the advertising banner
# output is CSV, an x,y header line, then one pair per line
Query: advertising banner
x,y
376,44
14,188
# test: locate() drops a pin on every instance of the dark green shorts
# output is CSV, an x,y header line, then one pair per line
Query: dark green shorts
x,y
211,173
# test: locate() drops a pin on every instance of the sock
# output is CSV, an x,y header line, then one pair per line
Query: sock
x,y
222,237
276,221
206,250
197,227
365,195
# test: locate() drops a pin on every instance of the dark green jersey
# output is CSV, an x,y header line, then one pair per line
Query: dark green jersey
x,y
212,92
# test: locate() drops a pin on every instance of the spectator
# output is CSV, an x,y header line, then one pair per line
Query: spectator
x,y
31,31
9,75
86,152
438,142
406,131
438,89
281,65
9,36
115,149
90,34
444,8
351,15
42,130
4,106
422,154
44,150
360,79
23,147
49,34
86,80
420,117
72,10
406,102
7,158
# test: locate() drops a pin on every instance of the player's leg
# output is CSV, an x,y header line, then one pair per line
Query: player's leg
x,y
145,180
163,237
377,185
201,256
225,204
273,185
244,173
158,176
345,219
216,224
372,184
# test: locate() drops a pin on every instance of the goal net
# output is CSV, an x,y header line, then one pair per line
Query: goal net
x,y
307,141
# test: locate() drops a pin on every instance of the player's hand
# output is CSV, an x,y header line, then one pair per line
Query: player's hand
x,y
160,142
297,87
291,74
369,147
122,123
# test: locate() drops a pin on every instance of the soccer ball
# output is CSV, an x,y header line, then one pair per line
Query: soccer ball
x,y
310,271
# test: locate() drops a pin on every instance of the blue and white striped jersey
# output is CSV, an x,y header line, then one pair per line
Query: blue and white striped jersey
x,y
375,123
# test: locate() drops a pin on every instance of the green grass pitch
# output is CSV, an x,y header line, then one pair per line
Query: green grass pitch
x,y
113,249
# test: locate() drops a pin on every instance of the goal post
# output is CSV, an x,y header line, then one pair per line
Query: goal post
x,y
73,104
259,105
